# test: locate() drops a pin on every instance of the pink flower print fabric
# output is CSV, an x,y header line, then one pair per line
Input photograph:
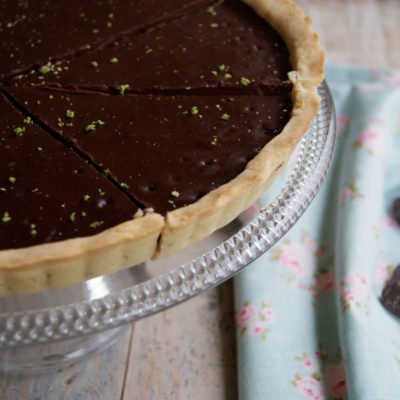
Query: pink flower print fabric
x,y
310,321
320,379
253,321
297,260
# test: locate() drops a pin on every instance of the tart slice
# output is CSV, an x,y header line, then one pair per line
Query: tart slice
x,y
167,152
61,221
222,46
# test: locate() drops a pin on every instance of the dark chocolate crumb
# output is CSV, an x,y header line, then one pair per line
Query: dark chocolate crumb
x,y
396,210
391,293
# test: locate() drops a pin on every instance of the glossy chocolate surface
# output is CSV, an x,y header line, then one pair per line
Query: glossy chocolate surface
x,y
146,103
32,31
167,151
223,45
47,192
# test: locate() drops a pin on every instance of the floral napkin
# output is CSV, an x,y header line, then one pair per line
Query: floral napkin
x,y
310,324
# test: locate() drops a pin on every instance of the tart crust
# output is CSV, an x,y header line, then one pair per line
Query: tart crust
x,y
65,263
60,264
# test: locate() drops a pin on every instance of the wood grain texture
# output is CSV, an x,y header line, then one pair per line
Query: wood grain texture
x,y
360,32
188,352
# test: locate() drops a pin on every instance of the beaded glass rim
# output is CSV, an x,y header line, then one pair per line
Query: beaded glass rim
x,y
45,325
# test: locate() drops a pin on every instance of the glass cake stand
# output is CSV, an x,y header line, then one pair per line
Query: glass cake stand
x,y
56,326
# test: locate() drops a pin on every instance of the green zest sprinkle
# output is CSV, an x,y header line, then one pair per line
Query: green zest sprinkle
x,y
225,117
123,88
45,69
96,224
90,127
33,230
86,197
28,120
83,214
101,193
125,185
95,64
19,131
221,67
244,81
215,73
210,10
171,202
6,217
12,179
2,189
227,76
110,16
214,25
298,105
194,110
214,141
218,107
70,114
39,149
72,216
113,60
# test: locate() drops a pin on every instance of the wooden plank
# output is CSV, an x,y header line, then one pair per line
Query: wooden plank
x,y
360,32
187,352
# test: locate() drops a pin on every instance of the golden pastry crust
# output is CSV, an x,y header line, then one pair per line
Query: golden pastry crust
x,y
65,263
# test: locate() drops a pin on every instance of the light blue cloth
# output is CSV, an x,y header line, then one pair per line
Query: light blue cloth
x,y
309,320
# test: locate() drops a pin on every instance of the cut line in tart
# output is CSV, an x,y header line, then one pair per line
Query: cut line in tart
x,y
178,154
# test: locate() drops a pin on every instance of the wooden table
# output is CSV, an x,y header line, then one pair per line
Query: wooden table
x,y
188,352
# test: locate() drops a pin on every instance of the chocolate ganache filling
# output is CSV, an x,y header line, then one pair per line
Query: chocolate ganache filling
x,y
153,111
47,192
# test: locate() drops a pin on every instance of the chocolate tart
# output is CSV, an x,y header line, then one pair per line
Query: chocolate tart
x,y
178,123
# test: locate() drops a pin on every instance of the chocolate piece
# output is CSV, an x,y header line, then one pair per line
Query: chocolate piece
x,y
33,31
166,151
396,210
227,45
47,192
391,293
